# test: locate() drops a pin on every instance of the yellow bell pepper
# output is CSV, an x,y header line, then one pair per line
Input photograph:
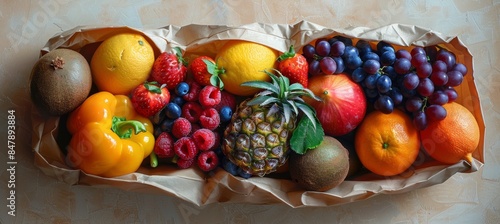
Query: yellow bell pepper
x,y
109,138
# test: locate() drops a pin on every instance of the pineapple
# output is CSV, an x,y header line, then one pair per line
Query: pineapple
x,y
258,137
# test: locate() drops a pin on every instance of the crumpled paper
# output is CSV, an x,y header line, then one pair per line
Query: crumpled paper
x,y
199,188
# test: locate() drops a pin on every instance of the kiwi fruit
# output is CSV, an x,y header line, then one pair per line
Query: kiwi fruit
x,y
60,81
321,168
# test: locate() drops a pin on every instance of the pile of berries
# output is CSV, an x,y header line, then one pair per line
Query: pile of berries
x,y
187,129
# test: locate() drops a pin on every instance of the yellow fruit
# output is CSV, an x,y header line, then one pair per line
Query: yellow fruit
x,y
244,61
121,63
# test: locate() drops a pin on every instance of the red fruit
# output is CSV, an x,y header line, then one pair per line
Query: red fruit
x,y
217,140
149,98
181,127
192,111
226,99
164,146
209,96
205,72
343,104
194,91
185,148
204,139
169,69
184,164
294,67
210,118
207,161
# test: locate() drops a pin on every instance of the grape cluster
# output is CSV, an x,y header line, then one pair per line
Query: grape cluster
x,y
418,80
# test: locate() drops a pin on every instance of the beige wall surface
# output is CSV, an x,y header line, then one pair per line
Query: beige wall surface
x,y
27,25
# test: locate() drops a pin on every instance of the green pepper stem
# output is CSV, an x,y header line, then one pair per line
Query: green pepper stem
x,y
123,128
153,159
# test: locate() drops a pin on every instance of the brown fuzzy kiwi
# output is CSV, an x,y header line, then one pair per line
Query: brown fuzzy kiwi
x,y
322,168
60,81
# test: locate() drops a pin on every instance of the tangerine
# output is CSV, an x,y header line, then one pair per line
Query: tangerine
x,y
121,63
387,144
454,138
244,61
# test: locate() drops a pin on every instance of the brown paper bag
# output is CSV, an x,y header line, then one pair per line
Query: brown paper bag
x,y
199,188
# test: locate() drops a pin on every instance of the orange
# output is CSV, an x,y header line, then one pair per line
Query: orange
x,y
244,61
453,138
387,144
121,63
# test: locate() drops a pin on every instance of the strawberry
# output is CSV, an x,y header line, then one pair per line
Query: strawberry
x,y
169,69
149,98
294,67
205,71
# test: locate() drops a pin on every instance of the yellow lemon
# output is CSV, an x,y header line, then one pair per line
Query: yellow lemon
x,y
122,62
244,61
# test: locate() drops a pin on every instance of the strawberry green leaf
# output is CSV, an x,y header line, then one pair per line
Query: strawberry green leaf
x,y
289,54
307,135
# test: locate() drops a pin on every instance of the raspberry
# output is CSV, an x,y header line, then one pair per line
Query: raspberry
x,y
207,161
185,148
204,139
164,146
209,96
181,127
194,91
192,111
184,164
210,118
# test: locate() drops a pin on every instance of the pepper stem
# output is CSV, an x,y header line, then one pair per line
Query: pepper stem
x,y
124,128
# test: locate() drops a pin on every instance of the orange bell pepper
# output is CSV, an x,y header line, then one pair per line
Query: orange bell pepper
x,y
108,138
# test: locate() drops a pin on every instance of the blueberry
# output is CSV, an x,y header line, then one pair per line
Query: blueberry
x,y
182,89
243,173
178,100
173,110
166,125
225,114
230,167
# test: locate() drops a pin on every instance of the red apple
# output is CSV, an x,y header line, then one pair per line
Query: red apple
x,y
343,104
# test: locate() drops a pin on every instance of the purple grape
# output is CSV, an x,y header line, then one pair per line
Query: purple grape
x,y
337,49
387,58
358,75
350,51
371,93
452,93
403,54
384,84
435,112
411,81
369,56
389,71
425,87
322,48
347,41
402,66
418,59
371,66
460,68
308,51
447,57
431,52
439,78
438,97
353,62
439,66
455,78
328,65
384,104
371,81
364,47
420,120
417,50
414,104
395,95
424,70
314,68
340,65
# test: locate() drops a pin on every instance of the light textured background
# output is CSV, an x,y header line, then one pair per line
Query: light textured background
x,y
27,25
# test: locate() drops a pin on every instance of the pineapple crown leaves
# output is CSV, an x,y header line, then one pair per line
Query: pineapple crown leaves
x,y
309,133
289,97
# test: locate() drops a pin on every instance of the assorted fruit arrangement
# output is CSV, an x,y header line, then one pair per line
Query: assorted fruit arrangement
x,y
309,114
